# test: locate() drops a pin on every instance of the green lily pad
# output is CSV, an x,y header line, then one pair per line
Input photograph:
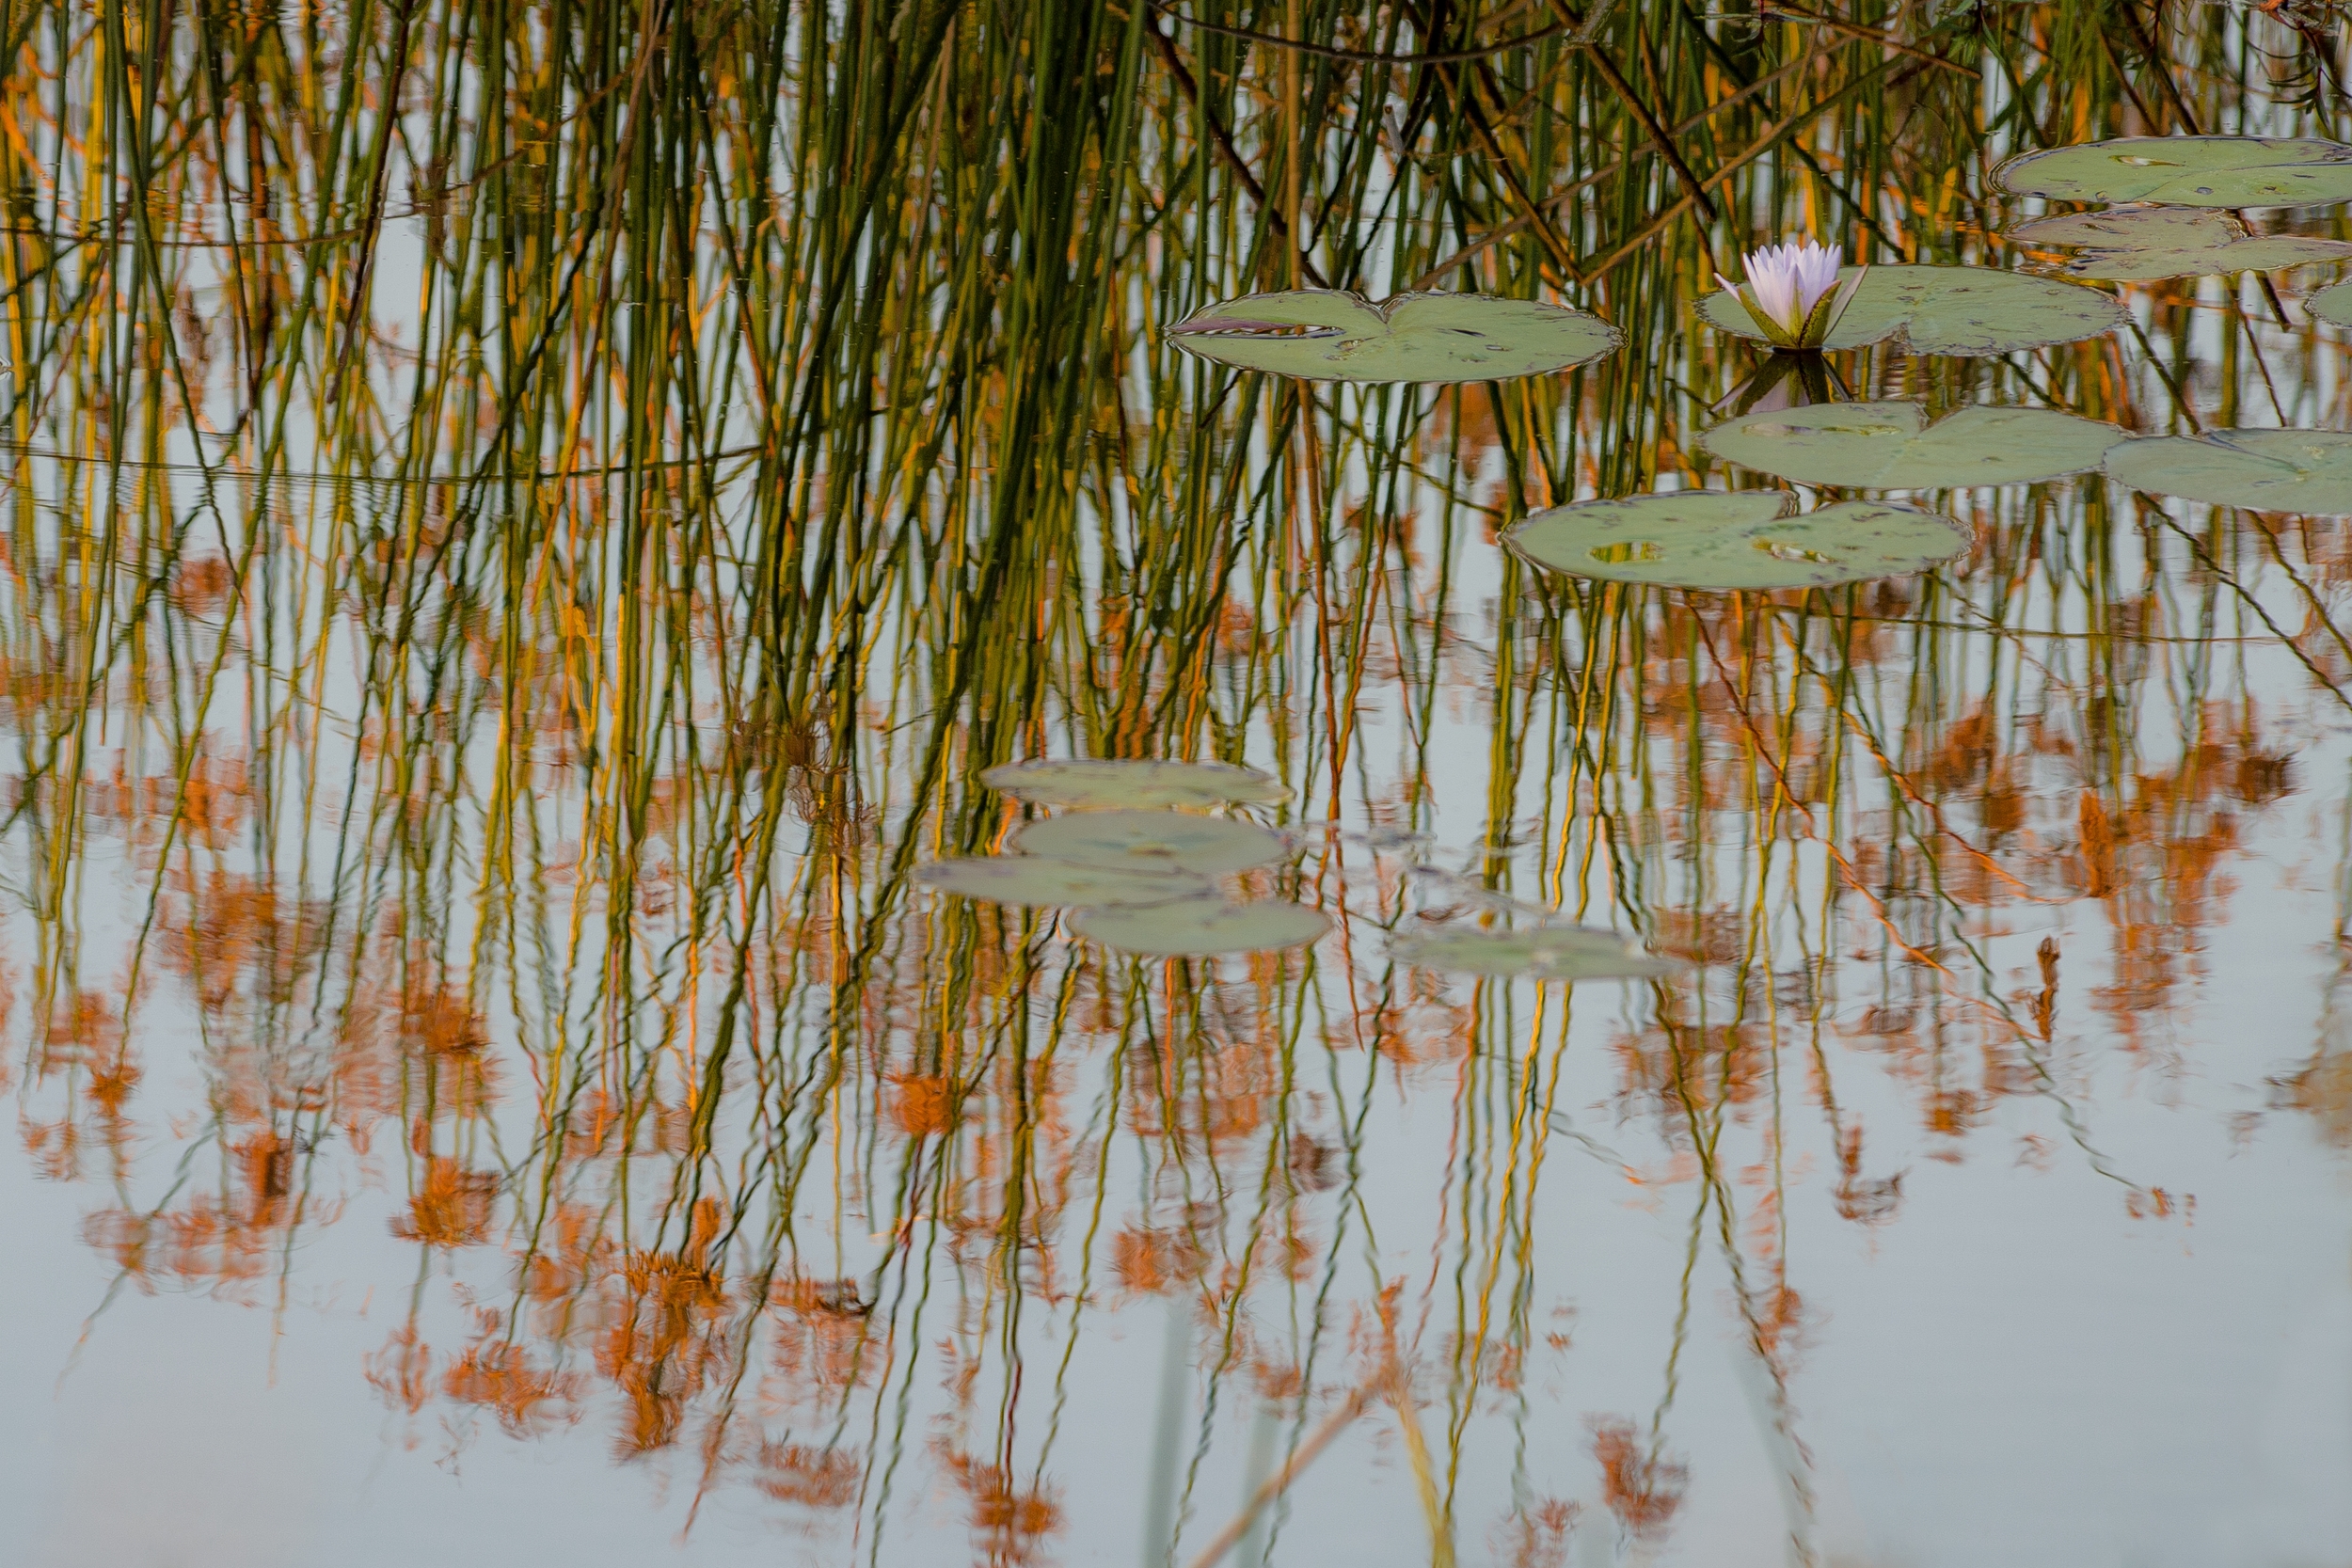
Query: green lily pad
x,y
1540,953
1721,540
2331,304
1959,311
2304,471
1202,926
1329,335
1113,782
2142,244
2187,172
1890,446
1036,879
1162,840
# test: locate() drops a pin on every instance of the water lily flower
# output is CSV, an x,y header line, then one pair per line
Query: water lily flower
x,y
1793,292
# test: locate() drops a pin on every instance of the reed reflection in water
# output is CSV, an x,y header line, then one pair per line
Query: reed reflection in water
x,y
527,524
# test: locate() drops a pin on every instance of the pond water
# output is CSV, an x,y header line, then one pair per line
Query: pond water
x,y
1806,1025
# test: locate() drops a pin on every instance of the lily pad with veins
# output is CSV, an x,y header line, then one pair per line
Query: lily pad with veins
x,y
2141,244
1163,840
2187,172
1541,952
1330,335
1719,541
2304,471
1120,782
1201,927
1036,879
1956,310
1890,446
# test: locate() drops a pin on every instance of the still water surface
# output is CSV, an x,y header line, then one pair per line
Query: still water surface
x,y
509,577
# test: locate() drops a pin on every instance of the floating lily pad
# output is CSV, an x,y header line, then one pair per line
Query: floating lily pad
x,y
1890,446
1717,540
2305,471
1036,879
1542,953
2187,172
1165,840
2145,243
1202,926
1328,334
2332,304
1961,311
1112,782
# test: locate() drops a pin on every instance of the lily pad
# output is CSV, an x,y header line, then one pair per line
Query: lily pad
x,y
2331,304
2187,172
1890,446
1036,879
1160,840
2304,471
1329,335
1959,311
1541,952
1114,782
2141,244
1202,926
1716,539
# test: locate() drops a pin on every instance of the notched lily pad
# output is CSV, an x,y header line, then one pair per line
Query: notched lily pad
x,y
1114,782
1161,840
2331,304
1958,310
1540,953
2304,471
1036,879
1201,927
1890,446
2187,172
1329,335
1713,539
2142,244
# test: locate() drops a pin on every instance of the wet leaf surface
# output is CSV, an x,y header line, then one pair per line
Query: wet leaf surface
x,y
1202,928
1954,311
1037,880
2332,304
1165,840
2187,172
2306,471
2148,243
1890,446
1323,335
1741,540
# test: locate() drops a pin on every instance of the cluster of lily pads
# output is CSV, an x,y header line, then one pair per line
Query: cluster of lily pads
x,y
2189,195
1140,869
2185,197
1131,850
1130,853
